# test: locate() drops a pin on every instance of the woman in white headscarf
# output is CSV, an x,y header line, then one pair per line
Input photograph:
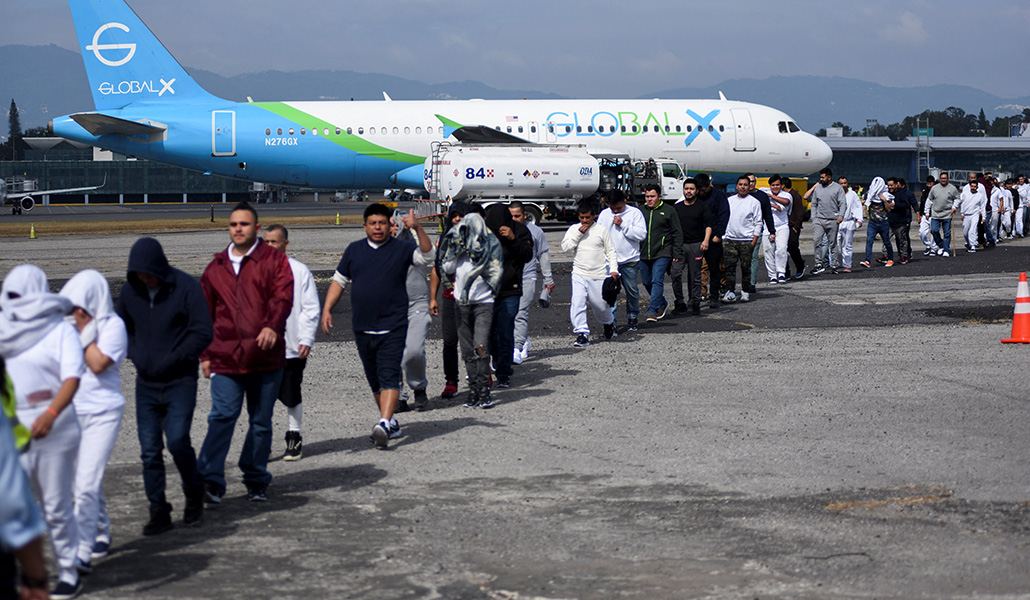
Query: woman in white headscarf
x,y
98,403
45,362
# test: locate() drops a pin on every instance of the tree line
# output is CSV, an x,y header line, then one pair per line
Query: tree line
x,y
952,122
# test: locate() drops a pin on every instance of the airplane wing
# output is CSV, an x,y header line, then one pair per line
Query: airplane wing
x,y
480,134
100,124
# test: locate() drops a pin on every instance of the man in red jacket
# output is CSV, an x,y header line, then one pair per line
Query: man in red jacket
x,y
249,290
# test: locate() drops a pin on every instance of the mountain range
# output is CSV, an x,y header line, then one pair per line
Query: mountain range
x,y
50,81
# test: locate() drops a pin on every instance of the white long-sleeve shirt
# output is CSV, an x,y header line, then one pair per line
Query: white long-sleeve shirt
x,y
779,216
595,257
302,323
853,210
626,237
972,203
745,219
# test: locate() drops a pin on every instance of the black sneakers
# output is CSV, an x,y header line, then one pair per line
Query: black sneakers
x,y
680,309
609,331
421,401
194,507
67,591
632,325
582,341
485,401
294,446
160,520
212,495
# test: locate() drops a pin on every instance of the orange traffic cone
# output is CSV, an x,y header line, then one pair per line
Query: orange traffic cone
x,y
1021,318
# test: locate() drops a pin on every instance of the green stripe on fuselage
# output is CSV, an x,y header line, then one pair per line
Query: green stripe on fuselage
x,y
346,140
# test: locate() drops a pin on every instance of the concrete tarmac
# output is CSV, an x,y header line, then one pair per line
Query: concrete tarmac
x,y
850,436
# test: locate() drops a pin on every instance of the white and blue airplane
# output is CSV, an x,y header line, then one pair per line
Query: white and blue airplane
x,y
147,106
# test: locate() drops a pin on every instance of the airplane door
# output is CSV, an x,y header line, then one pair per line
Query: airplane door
x,y
549,133
745,141
223,133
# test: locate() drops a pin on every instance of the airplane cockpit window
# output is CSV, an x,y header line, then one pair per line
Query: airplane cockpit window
x,y
268,131
793,127
783,126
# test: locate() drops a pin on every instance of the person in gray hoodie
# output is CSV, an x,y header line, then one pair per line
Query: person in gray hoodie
x,y
828,206
940,205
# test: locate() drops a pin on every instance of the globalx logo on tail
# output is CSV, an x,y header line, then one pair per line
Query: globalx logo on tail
x,y
123,87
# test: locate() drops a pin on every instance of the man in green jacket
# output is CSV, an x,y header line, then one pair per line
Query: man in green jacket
x,y
662,245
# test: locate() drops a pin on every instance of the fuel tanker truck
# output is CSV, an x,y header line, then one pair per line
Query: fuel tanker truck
x,y
549,179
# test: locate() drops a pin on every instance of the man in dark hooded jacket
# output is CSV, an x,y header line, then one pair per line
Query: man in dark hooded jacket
x,y
169,325
517,246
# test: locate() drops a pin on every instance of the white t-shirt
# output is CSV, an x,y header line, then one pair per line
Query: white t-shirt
x,y
99,393
37,373
779,216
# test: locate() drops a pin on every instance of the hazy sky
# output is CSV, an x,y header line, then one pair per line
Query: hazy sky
x,y
583,48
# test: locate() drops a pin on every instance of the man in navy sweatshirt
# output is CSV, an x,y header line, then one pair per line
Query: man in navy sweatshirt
x,y
376,268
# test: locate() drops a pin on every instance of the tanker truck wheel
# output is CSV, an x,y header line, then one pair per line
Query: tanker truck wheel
x,y
534,215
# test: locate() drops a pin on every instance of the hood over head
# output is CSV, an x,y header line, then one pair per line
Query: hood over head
x,y
147,256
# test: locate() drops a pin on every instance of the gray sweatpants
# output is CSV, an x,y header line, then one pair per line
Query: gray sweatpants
x,y
414,360
824,231
522,317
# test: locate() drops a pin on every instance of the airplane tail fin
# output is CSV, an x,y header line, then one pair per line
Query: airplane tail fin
x,y
125,62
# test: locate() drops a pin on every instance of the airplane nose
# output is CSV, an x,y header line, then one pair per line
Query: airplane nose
x,y
820,151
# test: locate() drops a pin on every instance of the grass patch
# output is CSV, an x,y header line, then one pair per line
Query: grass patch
x,y
22,228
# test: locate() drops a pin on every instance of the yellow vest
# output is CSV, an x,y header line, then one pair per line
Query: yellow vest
x,y
22,436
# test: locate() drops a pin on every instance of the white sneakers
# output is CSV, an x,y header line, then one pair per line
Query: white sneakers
x,y
521,354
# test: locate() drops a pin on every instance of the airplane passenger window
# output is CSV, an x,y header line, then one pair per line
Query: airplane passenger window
x,y
793,127
690,128
520,128
645,128
396,130
721,128
568,129
634,129
783,127
418,130
303,131
371,131
710,128
279,131
498,128
268,131
678,129
509,128
326,131
291,131
590,128
361,130
407,130
666,129
623,129
314,130
579,129
532,129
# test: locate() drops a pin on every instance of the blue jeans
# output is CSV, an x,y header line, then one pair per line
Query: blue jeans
x,y
881,228
502,335
227,395
652,275
936,225
630,274
166,408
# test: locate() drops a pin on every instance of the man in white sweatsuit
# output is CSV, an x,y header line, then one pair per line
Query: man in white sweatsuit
x,y
996,202
627,228
852,222
99,403
594,260
776,252
1020,197
1005,224
972,205
924,221
301,326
